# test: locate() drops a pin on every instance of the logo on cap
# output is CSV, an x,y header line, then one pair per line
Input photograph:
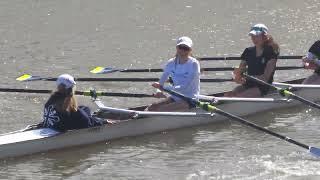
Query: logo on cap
x,y
184,40
258,29
66,80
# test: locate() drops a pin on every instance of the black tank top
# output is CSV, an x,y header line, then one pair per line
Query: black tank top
x,y
315,49
257,64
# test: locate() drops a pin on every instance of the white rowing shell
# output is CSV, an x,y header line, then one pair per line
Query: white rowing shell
x,y
28,135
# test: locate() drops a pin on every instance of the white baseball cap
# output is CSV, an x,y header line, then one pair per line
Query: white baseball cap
x,y
258,29
66,80
184,40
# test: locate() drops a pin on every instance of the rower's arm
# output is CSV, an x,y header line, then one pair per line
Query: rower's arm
x,y
165,74
243,65
269,70
244,57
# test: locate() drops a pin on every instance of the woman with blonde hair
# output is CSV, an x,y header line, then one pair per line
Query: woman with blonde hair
x,y
61,111
258,61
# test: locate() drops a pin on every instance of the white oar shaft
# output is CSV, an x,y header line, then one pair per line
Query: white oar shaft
x,y
237,99
148,113
311,86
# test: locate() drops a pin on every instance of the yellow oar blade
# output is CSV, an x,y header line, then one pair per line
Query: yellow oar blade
x,y
97,70
24,77
103,70
29,77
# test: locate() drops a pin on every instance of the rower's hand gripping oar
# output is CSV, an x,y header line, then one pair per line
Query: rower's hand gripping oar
x,y
207,107
284,92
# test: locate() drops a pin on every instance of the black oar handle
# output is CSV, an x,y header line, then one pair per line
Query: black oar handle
x,y
143,79
239,58
141,70
25,90
232,68
135,79
205,69
113,94
260,81
243,121
208,107
306,101
284,92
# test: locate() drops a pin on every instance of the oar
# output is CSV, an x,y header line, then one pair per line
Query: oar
x,y
307,86
215,99
107,70
284,92
29,77
137,114
207,107
85,93
238,58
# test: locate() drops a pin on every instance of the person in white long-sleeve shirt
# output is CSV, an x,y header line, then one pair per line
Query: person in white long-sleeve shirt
x,y
184,71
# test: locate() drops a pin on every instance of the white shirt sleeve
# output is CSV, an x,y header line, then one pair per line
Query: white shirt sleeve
x,y
310,56
166,72
195,74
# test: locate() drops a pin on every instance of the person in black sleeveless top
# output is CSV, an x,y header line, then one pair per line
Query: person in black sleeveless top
x,y
258,61
312,61
61,111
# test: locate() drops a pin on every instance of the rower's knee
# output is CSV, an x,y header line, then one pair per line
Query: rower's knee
x,y
313,79
229,94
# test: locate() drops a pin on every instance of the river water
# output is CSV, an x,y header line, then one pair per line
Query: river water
x,y
49,38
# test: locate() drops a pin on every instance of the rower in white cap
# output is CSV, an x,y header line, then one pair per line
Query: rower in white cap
x,y
184,71
61,111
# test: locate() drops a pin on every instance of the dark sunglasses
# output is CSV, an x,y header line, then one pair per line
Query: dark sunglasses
x,y
185,48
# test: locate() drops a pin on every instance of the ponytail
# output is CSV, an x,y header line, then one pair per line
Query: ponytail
x,y
270,42
70,104
64,100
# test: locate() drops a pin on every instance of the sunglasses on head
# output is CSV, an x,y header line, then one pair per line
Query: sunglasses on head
x,y
185,48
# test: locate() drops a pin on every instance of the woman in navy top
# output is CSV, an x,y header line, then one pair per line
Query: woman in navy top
x,y
258,61
61,111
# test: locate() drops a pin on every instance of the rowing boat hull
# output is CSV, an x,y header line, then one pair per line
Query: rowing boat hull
x,y
133,127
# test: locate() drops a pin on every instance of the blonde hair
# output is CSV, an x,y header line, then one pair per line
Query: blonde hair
x,y
64,100
70,104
